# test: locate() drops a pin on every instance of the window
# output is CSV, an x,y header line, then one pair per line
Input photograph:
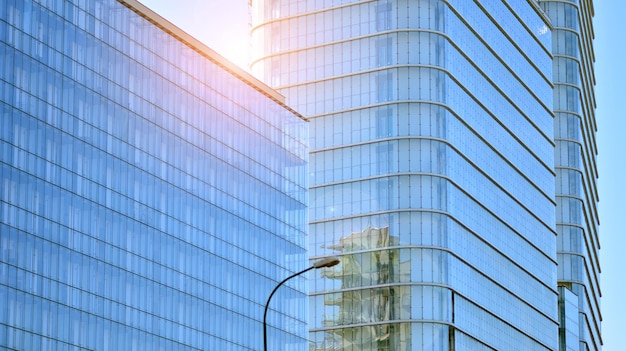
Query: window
x,y
384,89
384,193
383,52
384,157
384,127
383,17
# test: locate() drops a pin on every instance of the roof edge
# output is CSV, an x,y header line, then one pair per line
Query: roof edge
x,y
201,48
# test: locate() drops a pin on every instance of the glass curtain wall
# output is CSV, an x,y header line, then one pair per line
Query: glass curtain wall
x,y
149,199
431,168
575,163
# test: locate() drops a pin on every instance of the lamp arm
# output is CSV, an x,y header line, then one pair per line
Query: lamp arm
x,y
267,304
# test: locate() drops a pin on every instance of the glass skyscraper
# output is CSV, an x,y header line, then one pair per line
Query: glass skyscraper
x,y
576,170
452,167
151,193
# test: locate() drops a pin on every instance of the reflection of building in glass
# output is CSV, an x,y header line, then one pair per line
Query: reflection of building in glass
x,y
151,193
374,291
367,274
436,119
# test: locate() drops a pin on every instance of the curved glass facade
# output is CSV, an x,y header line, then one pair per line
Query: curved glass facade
x,y
576,169
151,196
432,168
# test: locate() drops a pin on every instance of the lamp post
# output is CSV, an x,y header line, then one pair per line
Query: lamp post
x,y
325,262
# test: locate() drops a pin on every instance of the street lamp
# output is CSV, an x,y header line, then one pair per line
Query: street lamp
x,y
324,262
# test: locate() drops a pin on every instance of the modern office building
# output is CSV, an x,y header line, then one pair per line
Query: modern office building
x,y
151,193
576,169
437,123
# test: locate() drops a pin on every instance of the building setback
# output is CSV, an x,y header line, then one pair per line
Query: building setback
x,y
151,193
452,155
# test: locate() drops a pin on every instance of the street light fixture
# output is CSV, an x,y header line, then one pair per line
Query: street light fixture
x,y
324,262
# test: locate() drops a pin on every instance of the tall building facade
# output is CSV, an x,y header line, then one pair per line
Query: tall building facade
x,y
151,193
576,169
434,125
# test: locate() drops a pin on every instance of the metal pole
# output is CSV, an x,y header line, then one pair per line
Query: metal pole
x,y
267,304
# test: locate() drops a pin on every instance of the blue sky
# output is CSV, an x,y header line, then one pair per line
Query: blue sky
x,y
223,26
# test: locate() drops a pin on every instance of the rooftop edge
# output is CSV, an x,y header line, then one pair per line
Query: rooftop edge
x,y
196,45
